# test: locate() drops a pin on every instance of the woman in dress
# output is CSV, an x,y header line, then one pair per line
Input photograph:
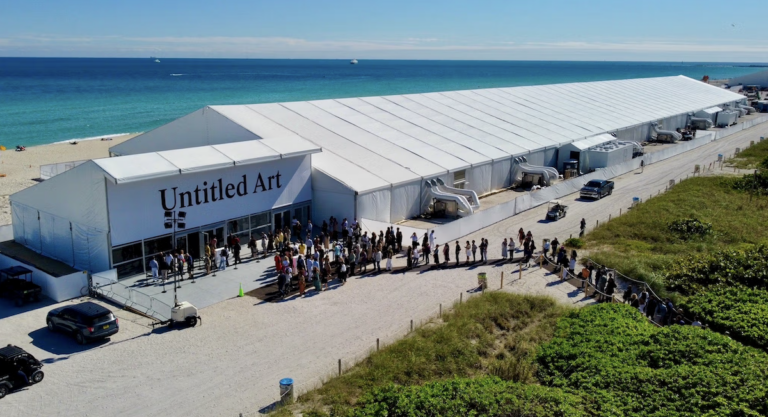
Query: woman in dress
x,y
389,261
270,242
302,281
504,249
325,275
468,251
316,278
521,236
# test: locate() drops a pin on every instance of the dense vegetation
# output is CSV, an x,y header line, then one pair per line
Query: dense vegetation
x,y
751,157
470,397
739,311
723,268
625,366
493,335
603,360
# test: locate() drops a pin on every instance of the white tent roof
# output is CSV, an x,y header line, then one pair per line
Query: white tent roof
x,y
593,141
130,168
404,138
352,176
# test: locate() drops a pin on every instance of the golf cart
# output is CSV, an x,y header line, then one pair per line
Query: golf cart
x,y
12,360
556,210
16,284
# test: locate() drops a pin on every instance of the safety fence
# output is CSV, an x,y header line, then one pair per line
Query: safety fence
x,y
52,170
134,299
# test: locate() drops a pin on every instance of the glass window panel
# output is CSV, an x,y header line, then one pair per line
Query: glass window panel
x,y
131,268
260,220
157,245
237,225
126,253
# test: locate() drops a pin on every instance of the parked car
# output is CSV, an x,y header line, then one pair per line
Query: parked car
x,y
85,321
597,189
16,284
12,360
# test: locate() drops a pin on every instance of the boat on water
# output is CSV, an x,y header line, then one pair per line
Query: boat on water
x,y
353,62
157,60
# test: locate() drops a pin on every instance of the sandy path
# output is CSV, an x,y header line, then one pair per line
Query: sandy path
x,y
233,362
22,168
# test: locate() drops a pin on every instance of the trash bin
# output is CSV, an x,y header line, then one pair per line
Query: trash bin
x,y
286,391
482,280
719,157
635,201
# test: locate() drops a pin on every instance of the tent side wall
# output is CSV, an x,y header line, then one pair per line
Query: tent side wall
x,y
330,198
77,234
501,174
375,205
405,201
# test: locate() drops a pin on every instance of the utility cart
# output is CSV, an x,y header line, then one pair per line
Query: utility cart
x,y
556,210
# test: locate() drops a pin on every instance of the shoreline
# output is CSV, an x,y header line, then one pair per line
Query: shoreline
x,y
22,169
109,136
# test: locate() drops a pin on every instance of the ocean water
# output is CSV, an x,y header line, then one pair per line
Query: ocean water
x,y
46,100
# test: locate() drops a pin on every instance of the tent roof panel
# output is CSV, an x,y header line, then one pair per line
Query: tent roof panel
x,y
137,167
353,176
592,141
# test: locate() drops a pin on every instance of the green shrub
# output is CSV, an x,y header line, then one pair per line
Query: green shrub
x,y
574,242
625,366
690,228
724,268
742,312
469,397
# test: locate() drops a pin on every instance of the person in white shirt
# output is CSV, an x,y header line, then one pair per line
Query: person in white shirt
x,y
432,239
414,240
354,223
171,263
153,264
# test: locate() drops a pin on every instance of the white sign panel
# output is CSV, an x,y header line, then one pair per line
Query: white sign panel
x,y
137,210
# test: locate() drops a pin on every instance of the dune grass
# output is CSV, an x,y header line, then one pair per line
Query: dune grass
x,y
491,335
750,157
640,244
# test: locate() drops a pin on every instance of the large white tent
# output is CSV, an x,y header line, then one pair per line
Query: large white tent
x,y
378,151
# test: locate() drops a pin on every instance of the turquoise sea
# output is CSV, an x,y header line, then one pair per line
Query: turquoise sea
x,y
46,100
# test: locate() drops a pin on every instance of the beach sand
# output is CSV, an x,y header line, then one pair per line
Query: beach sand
x,y
21,169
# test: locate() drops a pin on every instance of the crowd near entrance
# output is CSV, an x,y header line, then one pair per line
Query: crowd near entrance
x,y
133,258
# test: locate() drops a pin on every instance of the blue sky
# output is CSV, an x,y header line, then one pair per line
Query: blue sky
x,y
651,30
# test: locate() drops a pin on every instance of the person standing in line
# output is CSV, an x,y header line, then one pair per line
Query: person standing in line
x,y
310,245
352,263
190,265
409,257
155,267
437,255
511,248
180,260
416,256
427,252
521,236
504,249
582,227
224,259
485,250
389,260
377,260
474,252
171,265
216,260
270,242
555,244
457,251
547,246
468,251
252,246
414,240
325,275
316,279
207,259
399,240
264,244
236,249
425,239
432,238
447,253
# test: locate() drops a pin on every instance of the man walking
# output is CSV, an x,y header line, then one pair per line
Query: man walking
x,y
236,249
583,227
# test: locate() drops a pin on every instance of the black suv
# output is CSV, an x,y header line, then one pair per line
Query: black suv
x,y
12,360
86,321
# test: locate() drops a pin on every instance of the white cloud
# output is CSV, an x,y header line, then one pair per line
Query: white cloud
x,y
236,47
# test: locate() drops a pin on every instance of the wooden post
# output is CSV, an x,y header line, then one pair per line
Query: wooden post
x,y
609,217
502,280
619,212
411,324
377,344
597,223
441,310
339,367
520,270
461,295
